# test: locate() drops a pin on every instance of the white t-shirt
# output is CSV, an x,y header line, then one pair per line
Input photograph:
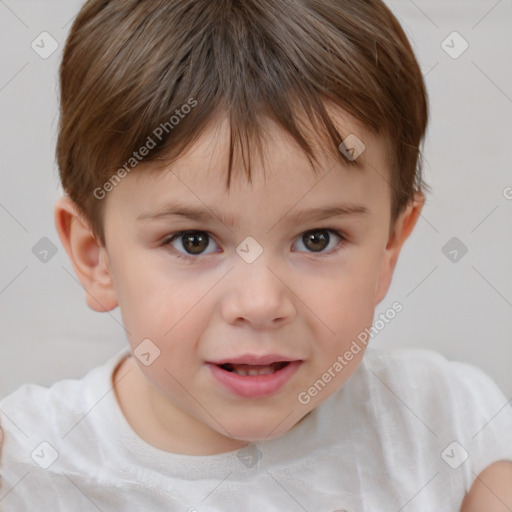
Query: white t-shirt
x,y
409,431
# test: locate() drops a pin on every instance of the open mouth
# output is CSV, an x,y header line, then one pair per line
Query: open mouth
x,y
254,380
254,369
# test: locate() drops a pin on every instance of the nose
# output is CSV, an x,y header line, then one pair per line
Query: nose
x,y
258,295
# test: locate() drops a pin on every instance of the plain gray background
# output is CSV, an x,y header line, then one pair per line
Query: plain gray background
x,y
461,308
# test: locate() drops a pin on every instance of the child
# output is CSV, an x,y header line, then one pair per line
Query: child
x,y
248,303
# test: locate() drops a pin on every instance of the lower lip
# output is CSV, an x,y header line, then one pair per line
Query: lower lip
x,y
254,386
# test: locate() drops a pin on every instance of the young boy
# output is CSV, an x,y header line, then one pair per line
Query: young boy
x,y
248,303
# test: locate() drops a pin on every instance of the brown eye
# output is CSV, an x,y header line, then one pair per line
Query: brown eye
x,y
193,242
321,241
316,240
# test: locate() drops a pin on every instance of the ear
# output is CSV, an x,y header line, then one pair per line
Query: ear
x,y
88,257
403,227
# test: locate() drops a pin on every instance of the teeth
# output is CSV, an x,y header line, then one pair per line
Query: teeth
x,y
264,371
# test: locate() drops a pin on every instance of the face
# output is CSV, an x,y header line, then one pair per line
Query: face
x,y
263,284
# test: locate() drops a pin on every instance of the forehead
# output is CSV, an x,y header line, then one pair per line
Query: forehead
x,y
282,173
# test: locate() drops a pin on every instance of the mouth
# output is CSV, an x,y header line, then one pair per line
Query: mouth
x,y
254,369
254,380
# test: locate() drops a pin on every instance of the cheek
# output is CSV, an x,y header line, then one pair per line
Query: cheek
x,y
172,315
151,304
346,302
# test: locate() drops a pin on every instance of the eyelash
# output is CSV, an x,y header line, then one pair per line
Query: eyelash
x,y
189,257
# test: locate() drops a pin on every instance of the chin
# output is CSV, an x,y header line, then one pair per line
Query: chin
x,y
255,427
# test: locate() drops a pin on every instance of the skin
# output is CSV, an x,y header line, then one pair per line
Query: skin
x,y
291,300
491,491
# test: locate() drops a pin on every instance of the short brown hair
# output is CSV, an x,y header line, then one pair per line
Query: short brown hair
x,y
128,65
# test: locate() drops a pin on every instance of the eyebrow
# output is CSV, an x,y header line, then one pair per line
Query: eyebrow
x,y
202,214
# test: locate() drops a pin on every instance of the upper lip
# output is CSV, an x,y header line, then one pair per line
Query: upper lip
x,y
254,359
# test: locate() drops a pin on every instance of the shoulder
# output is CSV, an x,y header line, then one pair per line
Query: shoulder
x,y
421,372
450,403
449,392
32,399
51,432
35,413
31,421
406,359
